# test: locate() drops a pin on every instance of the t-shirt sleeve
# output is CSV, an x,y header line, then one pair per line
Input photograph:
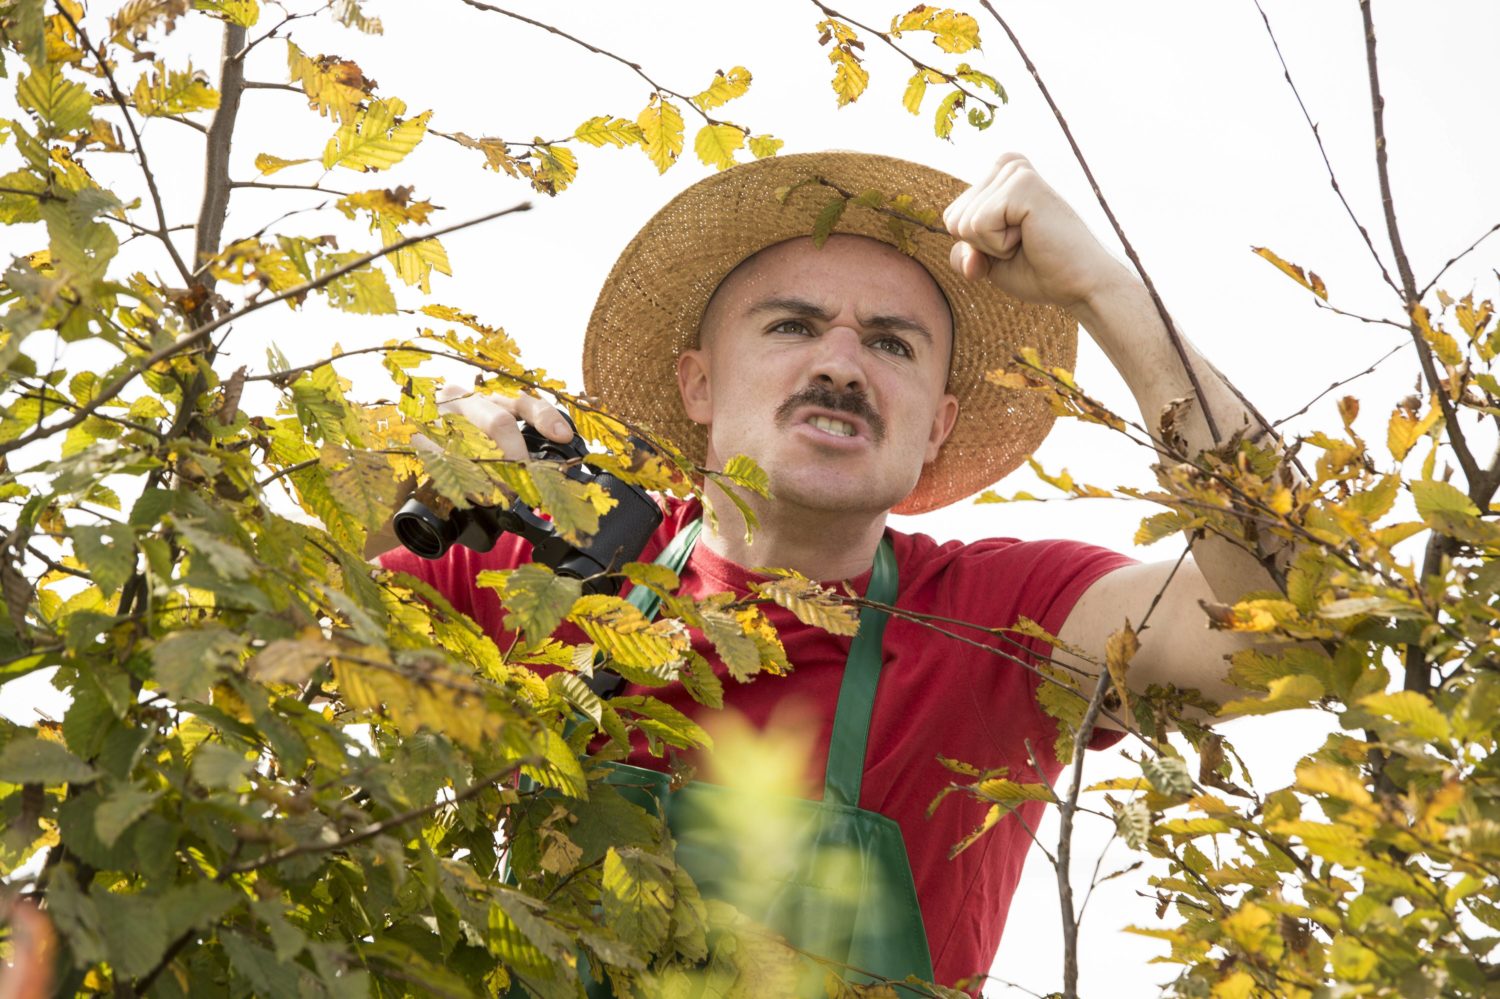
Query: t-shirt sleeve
x,y
1050,577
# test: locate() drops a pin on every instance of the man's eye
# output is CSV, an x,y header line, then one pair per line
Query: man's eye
x,y
894,345
795,327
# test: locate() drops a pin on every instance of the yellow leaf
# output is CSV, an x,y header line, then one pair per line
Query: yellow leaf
x,y
661,126
1307,279
849,76
716,144
1412,710
241,12
598,131
333,86
762,146
1442,343
947,113
268,164
1335,781
724,88
951,30
811,603
375,139
1284,693
170,91
916,89
556,167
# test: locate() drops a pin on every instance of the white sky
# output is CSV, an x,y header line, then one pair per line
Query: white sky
x,y
1179,106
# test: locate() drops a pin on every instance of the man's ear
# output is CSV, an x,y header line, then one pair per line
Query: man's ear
x,y
693,386
943,422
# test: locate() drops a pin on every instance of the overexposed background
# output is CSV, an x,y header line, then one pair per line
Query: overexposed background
x,y
1179,106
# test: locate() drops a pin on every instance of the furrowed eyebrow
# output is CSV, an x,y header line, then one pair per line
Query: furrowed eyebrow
x,y
809,310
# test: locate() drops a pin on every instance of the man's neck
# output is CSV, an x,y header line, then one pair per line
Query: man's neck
x,y
819,544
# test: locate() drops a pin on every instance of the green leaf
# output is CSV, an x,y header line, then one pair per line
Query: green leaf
x,y
29,760
1413,711
188,662
745,473
1282,694
363,291
575,506
376,138
119,811
62,105
221,767
536,599
637,898
827,218
108,551
1168,775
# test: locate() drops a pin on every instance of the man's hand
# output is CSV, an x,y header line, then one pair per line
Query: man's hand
x,y
499,416
1015,230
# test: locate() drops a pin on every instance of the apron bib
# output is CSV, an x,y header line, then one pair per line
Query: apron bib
x,y
847,895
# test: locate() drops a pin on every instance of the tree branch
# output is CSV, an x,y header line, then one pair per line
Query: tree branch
x,y
919,64
286,187
192,338
1478,481
1067,808
635,67
1318,138
1455,259
118,96
1135,260
216,187
373,829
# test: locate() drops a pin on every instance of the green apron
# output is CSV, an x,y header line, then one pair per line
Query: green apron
x,y
847,895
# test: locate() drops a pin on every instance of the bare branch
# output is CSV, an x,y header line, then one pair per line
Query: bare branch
x,y
1067,809
1480,486
1135,260
635,67
286,187
1455,259
215,205
194,337
1342,382
1332,178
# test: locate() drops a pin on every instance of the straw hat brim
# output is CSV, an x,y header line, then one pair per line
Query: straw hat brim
x,y
649,308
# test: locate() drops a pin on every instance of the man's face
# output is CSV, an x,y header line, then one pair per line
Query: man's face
x,y
827,366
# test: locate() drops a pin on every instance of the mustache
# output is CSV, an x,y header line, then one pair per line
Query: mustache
x,y
855,403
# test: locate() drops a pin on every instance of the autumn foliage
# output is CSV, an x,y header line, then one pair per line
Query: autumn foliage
x,y
284,771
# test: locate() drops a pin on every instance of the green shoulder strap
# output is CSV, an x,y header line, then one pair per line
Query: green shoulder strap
x,y
674,557
851,721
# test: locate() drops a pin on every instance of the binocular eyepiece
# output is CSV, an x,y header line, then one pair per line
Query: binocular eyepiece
x,y
622,535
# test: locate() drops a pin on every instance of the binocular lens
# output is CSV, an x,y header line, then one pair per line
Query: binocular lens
x,y
421,531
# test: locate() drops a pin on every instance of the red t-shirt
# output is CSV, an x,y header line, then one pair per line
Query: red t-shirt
x,y
937,697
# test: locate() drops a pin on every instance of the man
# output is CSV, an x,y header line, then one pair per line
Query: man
x,y
853,374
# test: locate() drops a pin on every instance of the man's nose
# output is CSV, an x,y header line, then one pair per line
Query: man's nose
x,y
838,363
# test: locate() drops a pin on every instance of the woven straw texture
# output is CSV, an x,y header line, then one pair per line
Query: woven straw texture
x,y
649,308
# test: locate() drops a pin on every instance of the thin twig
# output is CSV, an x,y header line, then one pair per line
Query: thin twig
x,y
286,187
919,64
1478,482
1342,382
1318,138
1066,810
162,232
1135,260
193,338
373,829
633,66
1455,259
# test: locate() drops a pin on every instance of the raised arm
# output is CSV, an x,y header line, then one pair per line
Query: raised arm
x,y
1016,231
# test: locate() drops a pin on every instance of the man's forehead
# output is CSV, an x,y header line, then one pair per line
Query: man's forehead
x,y
888,280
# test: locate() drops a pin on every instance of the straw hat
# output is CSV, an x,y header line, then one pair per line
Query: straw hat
x,y
649,308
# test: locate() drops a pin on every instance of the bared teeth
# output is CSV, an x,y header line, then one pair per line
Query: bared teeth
x,y
836,427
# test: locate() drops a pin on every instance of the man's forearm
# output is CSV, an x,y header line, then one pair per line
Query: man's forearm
x,y
1124,322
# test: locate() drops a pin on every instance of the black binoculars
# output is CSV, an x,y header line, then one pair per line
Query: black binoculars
x,y
622,535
